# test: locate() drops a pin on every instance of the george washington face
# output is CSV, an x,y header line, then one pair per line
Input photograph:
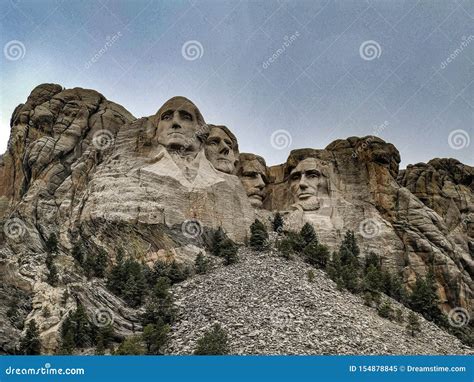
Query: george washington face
x,y
178,125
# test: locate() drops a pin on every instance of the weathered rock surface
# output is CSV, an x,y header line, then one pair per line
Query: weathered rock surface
x,y
84,168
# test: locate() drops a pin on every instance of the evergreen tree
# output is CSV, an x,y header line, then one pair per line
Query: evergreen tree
x,y
308,234
278,223
229,252
52,277
155,337
30,344
385,310
424,298
413,325
349,251
100,263
177,272
67,336
258,235
374,260
201,264
214,342
77,254
217,240
52,243
131,346
373,279
160,308
316,254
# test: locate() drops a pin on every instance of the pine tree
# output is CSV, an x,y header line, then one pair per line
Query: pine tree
x,y
52,243
201,264
316,254
131,346
258,235
77,254
160,308
385,310
424,298
52,277
155,337
100,263
213,342
308,234
373,279
413,325
229,252
217,240
278,223
30,344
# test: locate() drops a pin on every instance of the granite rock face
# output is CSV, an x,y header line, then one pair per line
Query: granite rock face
x,y
85,169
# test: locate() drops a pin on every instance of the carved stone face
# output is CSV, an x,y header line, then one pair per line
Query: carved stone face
x,y
306,180
178,125
220,150
253,176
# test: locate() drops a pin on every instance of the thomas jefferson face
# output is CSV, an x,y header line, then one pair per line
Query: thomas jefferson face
x,y
253,175
305,181
178,125
220,150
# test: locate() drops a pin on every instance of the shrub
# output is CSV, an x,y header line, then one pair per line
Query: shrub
x,y
131,346
229,252
310,275
316,254
278,223
308,234
385,310
52,277
52,243
30,344
201,264
214,342
258,236
413,324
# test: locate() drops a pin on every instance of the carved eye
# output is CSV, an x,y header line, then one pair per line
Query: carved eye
x,y
166,117
212,142
313,174
295,176
187,116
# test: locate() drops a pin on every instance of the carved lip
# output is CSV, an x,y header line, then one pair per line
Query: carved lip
x,y
256,196
305,195
176,133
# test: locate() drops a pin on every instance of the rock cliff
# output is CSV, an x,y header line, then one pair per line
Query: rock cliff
x,y
85,169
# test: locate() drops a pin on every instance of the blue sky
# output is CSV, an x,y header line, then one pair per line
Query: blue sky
x,y
322,86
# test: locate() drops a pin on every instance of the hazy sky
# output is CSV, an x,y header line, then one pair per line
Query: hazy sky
x,y
280,74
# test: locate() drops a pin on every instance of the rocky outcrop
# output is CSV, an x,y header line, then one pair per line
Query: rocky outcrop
x,y
84,168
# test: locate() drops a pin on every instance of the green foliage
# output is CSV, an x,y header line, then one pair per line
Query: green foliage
x,y
30,344
294,242
277,223
385,310
424,298
52,277
308,234
373,279
258,236
285,248
229,252
217,240
131,346
77,331
213,342
77,254
201,264
372,260
52,243
398,315
413,324
310,275
95,264
155,337
174,271
316,254
127,280
160,308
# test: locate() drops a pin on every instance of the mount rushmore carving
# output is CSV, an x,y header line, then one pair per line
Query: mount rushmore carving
x,y
84,168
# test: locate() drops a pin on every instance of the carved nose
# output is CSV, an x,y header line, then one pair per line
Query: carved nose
x,y
260,183
176,126
303,184
224,149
